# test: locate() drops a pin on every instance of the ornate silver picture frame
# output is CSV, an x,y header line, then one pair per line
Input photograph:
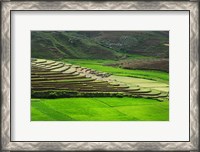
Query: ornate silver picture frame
x,y
7,7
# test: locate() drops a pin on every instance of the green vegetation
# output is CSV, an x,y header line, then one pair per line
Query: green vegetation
x,y
98,44
100,66
105,109
48,84
88,99
82,98
50,94
100,76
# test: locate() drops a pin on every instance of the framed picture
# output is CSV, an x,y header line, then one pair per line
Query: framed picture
x,y
109,75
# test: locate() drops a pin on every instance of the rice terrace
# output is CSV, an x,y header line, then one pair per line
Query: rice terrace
x,y
99,76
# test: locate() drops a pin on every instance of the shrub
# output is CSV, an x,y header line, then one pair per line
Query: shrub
x,y
64,93
53,94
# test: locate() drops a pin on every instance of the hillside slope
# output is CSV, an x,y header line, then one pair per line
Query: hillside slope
x,y
98,44
51,79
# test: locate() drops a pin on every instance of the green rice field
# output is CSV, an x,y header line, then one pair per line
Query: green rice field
x,y
99,109
99,65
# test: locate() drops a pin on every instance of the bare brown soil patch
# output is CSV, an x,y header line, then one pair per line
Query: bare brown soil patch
x,y
143,64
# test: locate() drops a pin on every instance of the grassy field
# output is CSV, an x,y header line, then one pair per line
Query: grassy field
x,y
102,109
99,65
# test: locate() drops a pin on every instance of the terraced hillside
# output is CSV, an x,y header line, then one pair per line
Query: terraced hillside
x,y
51,79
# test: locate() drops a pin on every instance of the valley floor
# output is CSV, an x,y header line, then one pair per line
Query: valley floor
x,y
99,109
